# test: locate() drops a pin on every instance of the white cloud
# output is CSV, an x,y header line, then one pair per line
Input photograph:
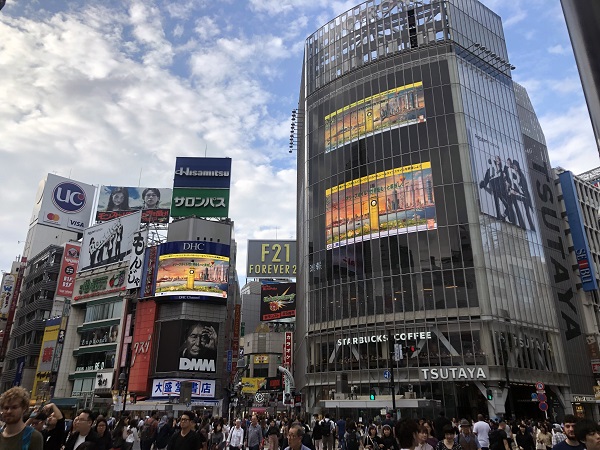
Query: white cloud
x,y
558,50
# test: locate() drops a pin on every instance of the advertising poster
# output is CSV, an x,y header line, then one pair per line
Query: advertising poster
x,y
196,202
194,270
44,367
398,107
118,201
109,242
277,301
194,172
6,294
66,204
501,176
252,385
396,201
68,269
271,259
188,345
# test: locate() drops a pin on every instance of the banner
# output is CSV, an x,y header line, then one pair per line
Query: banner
x,y
136,263
388,203
187,345
398,107
6,293
118,201
277,301
68,269
109,242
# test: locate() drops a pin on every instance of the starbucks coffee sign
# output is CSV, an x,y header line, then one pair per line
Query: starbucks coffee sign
x,y
453,373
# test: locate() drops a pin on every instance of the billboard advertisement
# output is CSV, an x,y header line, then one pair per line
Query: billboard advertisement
x,y
118,201
66,204
68,269
44,368
398,107
388,203
167,387
251,385
277,301
504,192
187,345
190,270
194,172
109,242
136,262
585,263
6,293
109,282
189,202
271,259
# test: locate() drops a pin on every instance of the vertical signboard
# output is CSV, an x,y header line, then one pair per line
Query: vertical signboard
x,y
287,350
136,262
6,294
41,387
585,263
149,273
235,345
142,347
12,308
68,269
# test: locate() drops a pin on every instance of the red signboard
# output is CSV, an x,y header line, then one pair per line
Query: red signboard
x,y
149,286
287,350
68,269
141,348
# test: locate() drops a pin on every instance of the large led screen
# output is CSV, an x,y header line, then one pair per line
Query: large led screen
x,y
277,301
388,203
189,275
502,179
187,345
117,201
398,107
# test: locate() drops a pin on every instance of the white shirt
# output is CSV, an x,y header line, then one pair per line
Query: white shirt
x,y
80,440
482,430
236,437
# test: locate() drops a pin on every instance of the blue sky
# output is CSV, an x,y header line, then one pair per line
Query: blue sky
x,y
111,92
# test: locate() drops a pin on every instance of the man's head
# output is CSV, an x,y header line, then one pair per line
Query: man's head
x,y
238,423
295,434
84,422
38,421
254,420
570,421
186,421
465,427
480,417
502,425
588,433
13,404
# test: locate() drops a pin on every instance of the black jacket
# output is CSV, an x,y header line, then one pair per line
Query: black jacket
x,y
91,437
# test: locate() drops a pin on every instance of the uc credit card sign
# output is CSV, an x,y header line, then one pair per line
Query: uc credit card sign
x,y
66,204
272,259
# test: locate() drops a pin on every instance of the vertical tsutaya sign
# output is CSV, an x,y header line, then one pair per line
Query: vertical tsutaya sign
x,y
6,293
136,262
271,259
109,242
66,204
201,187
68,269
585,263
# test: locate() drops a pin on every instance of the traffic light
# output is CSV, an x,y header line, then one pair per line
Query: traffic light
x,y
489,394
409,350
372,395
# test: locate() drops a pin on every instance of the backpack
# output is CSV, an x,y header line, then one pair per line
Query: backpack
x,y
352,440
26,438
148,431
325,428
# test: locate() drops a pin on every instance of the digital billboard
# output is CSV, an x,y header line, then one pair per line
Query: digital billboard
x,y
398,107
502,179
109,242
271,259
195,172
68,269
277,301
118,201
388,203
66,204
187,345
192,270
188,202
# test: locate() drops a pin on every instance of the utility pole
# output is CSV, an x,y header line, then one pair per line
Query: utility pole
x,y
392,349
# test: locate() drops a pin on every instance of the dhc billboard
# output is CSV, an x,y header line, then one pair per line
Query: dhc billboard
x,y
585,263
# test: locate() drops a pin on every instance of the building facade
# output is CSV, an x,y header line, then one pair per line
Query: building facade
x,y
425,227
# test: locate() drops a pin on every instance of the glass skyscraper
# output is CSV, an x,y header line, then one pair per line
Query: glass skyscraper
x,y
428,229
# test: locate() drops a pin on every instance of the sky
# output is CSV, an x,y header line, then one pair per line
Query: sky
x,y
111,92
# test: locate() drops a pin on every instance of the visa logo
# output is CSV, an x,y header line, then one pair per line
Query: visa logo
x,y
76,223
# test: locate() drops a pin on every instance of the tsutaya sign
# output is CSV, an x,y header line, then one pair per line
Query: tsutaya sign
x,y
453,373
410,336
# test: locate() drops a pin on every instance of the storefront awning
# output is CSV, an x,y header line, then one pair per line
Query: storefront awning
x,y
68,402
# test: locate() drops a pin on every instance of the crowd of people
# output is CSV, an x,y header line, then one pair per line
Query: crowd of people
x,y
45,429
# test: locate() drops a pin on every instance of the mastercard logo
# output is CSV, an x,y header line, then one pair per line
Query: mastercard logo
x,y
53,217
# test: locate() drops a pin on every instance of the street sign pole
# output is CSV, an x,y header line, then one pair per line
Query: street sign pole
x,y
391,367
